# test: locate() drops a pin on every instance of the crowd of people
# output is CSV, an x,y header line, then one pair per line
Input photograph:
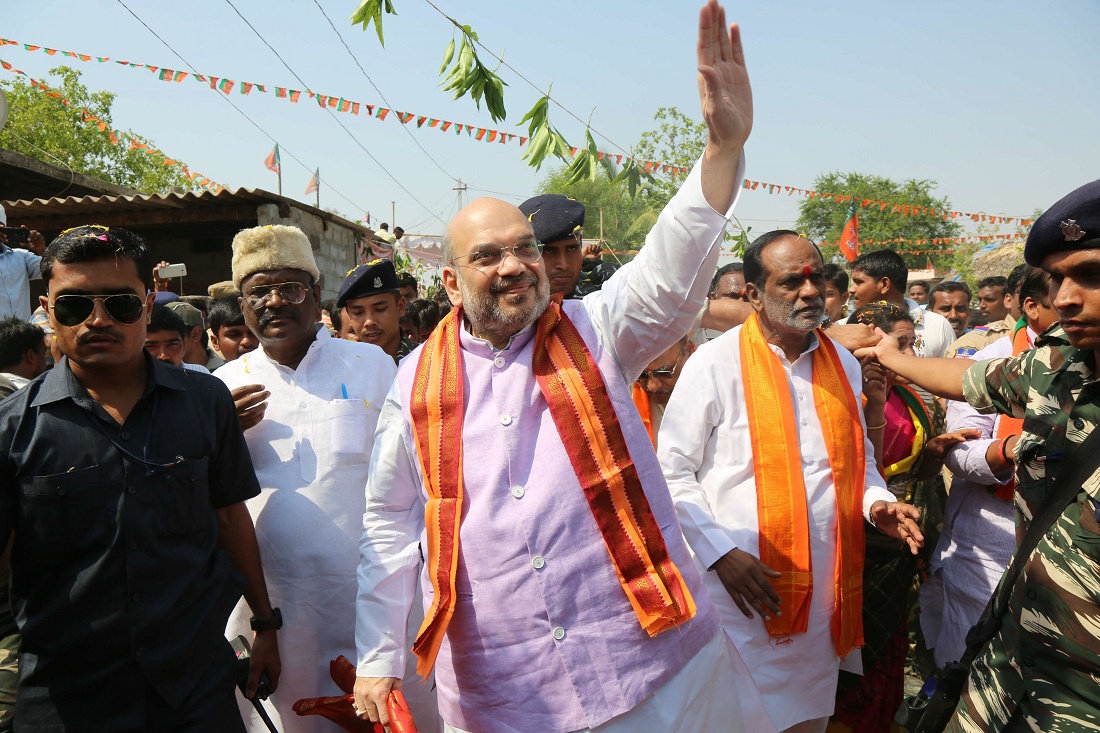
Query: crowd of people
x,y
562,495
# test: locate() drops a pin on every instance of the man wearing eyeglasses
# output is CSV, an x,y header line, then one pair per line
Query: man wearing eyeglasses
x,y
309,403
123,481
654,385
560,593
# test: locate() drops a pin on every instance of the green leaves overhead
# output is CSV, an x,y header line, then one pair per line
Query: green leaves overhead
x,y
370,11
586,163
469,75
544,140
632,176
463,73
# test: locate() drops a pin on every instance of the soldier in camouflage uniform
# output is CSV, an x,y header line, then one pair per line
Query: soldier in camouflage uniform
x,y
1041,672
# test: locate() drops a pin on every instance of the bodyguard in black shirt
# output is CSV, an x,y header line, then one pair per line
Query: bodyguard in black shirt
x,y
123,480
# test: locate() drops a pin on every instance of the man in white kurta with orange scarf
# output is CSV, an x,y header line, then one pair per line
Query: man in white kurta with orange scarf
x,y
560,595
772,474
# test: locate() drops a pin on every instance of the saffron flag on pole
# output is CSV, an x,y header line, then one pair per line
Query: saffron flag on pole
x,y
849,238
315,182
272,160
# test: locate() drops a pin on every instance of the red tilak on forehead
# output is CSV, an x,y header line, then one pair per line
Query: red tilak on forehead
x,y
807,271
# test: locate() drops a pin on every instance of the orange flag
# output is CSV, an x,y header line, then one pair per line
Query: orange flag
x,y
849,238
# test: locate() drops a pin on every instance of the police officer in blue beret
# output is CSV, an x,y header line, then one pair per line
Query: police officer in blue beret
x,y
558,222
372,304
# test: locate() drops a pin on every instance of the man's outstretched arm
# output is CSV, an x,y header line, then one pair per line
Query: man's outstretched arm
x,y
941,377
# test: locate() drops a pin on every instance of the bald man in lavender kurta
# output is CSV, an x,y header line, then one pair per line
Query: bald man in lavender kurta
x,y
539,632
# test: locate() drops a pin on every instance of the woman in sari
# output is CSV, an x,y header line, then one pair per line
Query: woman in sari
x,y
910,449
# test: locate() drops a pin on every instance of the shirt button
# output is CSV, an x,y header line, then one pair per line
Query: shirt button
x,y
1029,662
538,562
131,490
132,545
125,435
805,423
517,491
1079,424
303,406
506,420
139,651
801,396
136,597
498,362
559,633
1032,595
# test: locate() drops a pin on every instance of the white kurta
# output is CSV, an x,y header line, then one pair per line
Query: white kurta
x,y
311,452
704,449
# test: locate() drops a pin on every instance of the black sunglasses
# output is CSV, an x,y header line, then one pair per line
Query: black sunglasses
x,y
70,310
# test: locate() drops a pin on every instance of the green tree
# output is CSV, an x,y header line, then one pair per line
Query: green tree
x,y
823,216
678,141
38,122
620,210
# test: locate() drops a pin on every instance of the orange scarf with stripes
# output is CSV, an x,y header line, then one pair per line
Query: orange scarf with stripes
x,y
581,408
1007,425
781,491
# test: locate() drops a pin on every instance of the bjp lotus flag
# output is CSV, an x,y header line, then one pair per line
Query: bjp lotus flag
x,y
272,160
315,182
849,238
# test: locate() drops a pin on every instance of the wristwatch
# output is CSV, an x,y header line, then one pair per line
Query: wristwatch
x,y
268,624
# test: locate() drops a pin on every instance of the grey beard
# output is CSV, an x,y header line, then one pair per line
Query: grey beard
x,y
486,316
783,312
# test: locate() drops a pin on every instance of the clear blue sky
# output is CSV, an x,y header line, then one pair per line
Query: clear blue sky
x,y
998,102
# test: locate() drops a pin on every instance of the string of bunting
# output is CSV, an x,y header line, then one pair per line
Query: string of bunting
x,y
117,137
974,239
905,209
483,134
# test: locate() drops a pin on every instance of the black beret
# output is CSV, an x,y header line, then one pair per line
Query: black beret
x,y
1072,223
554,217
373,278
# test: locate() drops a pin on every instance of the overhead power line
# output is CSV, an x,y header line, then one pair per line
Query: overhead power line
x,y
241,112
334,117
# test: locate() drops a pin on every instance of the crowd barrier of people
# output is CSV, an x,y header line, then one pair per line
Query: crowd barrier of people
x,y
558,495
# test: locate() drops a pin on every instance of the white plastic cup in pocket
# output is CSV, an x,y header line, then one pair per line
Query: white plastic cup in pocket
x,y
347,425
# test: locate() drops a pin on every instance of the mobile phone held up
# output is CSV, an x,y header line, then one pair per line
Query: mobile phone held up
x,y
171,271
16,235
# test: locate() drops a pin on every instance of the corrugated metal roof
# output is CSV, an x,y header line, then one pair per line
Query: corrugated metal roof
x,y
88,206
22,175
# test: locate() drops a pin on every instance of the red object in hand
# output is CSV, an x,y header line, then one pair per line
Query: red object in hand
x,y
340,709
401,719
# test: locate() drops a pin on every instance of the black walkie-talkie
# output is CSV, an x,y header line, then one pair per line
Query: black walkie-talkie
x,y
243,651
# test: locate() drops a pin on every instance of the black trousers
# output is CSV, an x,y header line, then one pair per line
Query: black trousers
x,y
211,707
